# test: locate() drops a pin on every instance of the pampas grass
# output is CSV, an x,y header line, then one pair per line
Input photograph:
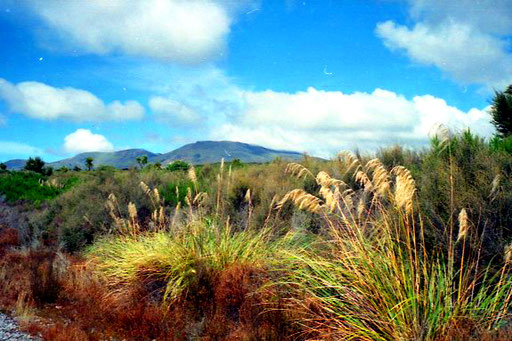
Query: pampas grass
x,y
375,281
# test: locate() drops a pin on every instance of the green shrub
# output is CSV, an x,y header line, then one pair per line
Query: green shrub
x,y
29,186
177,166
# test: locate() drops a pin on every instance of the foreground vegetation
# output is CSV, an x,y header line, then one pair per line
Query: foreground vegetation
x,y
401,245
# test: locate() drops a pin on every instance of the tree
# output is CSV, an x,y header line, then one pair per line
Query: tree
x,y
237,163
501,112
3,166
89,163
35,165
158,165
77,169
142,161
177,165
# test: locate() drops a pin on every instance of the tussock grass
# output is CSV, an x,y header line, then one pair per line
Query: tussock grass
x,y
376,281
180,257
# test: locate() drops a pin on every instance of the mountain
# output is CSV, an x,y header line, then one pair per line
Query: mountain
x,y
196,153
119,159
213,151
15,164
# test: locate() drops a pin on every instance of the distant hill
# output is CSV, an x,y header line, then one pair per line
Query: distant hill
x,y
213,151
15,164
196,153
119,159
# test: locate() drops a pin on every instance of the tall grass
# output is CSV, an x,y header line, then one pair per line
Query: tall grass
x,y
377,281
175,256
180,258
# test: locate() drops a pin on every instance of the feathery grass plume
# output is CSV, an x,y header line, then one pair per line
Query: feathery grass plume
x,y
132,211
298,170
248,200
364,180
158,218
220,180
156,197
507,255
145,188
115,213
405,188
175,216
230,179
134,221
111,203
380,177
443,136
463,225
496,187
188,197
350,162
302,200
200,199
270,210
361,208
189,201
247,197
192,176
347,196
325,180
331,199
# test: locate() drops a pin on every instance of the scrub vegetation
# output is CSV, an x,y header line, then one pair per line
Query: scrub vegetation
x,y
398,245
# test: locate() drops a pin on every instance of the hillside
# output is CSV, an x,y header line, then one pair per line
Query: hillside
x,y
213,151
15,164
196,153
120,159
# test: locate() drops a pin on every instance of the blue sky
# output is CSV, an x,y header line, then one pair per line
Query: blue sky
x,y
315,76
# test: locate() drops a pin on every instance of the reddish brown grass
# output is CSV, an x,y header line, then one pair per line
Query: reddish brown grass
x,y
9,237
77,306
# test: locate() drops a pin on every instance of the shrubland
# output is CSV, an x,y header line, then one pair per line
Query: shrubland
x,y
397,245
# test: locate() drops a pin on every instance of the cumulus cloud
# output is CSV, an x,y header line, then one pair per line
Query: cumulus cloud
x,y
491,16
188,31
173,112
466,39
325,122
41,101
16,148
83,140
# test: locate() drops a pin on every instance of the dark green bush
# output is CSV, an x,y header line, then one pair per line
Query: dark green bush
x,y
177,165
27,186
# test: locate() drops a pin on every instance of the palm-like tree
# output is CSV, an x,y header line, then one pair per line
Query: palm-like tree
x,y
501,112
89,163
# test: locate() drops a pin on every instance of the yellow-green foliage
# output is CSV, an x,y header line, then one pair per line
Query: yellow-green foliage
x,y
181,256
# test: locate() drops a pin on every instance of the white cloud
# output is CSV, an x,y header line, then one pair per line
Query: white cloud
x,y
491,16
466,39
42,101
325,122
188,31
83,140
16,148
173,112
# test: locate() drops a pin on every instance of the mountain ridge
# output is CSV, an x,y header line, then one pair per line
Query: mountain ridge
x,y
199,152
